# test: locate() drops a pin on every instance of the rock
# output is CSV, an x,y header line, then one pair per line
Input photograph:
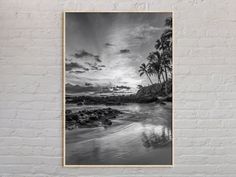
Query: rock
x,y
107,122
74,116
68,118
68,112
162,103
91,118
82,122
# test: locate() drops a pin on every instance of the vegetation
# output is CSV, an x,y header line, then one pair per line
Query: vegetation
x,y
144,69
156,140
159,62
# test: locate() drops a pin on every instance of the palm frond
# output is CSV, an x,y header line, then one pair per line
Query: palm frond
x,y
141,73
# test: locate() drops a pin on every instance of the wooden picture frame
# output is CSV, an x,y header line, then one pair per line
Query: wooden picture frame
x,y
65,67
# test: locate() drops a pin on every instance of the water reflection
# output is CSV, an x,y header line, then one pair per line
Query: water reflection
x,y
142,135
156,137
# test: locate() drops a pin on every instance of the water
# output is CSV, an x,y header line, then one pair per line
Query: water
x,y
131,140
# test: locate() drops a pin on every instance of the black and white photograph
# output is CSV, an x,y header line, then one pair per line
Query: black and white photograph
x,y
118,85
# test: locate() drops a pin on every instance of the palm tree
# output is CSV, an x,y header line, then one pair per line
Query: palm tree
x,y
164,48
144,69
153,68
156,65
140,87
160,61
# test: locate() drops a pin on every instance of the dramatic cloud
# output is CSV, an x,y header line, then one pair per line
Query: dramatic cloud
x,y
112,53
72,65
124,51
85,54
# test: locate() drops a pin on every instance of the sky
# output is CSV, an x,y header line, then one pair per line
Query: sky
x,y
104,50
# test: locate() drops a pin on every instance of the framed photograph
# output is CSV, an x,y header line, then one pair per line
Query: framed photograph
x,y
118,89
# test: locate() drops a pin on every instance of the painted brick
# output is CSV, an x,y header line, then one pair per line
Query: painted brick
x,y
31,79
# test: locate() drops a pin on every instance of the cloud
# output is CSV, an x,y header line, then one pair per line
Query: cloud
x,y
89,88
77,88
139,37
123,87
124,51
77,71
145,32
85,54
102,66
73,65
88,63
95,66
97,58
82,53
109,44
88,84
68,59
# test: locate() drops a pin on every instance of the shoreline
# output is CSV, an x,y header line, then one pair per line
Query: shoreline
x,y
140,127
90,116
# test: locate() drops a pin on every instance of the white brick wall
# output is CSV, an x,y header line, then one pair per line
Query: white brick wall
x,y
31,80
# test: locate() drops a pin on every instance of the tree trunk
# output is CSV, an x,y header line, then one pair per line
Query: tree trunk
x,y
159,78
163,78
162,84
166,91
149,78
166,74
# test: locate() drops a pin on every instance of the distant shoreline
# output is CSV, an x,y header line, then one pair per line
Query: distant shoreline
x,y
148,94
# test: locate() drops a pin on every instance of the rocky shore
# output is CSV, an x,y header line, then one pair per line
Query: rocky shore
x,y
90,118
148,94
